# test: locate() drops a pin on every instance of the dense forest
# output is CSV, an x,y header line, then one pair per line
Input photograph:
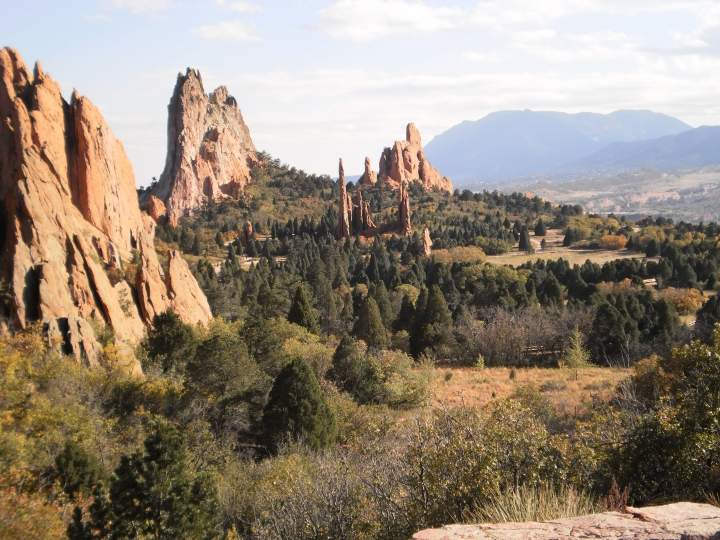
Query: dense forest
x,y
303,410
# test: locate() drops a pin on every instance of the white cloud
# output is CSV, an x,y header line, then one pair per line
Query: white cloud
x,y
365,20
142,6
226,31
239,7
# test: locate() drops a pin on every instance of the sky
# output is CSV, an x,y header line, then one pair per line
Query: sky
x,y
322,79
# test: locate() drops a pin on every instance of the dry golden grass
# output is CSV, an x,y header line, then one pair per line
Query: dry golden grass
x,y
468,254
555,250
569,390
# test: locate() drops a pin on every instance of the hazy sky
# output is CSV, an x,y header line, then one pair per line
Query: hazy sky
x,y
320,79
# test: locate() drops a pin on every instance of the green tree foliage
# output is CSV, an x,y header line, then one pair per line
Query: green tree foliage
x,y
76,470
432,329
524,243
352,372
153,494
369,326
170,343
297,410
540,229
302,312
576,355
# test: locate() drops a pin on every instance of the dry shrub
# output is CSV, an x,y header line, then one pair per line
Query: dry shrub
x,y
29,515
686,301
464,254
613,241
542,502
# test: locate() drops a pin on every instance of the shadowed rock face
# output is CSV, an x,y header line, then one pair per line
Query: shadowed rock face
x,y
75,247
210,151
679,521
405,162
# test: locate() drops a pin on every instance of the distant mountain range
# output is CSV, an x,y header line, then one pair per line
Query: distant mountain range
x,y
510,145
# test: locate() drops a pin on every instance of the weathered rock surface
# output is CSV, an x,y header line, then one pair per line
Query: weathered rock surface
x,y
362,216
344,205
155,208
405,162
74,246
427,242
679,521
404,224
369,177
210,151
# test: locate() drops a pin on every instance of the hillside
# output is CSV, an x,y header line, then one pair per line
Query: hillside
x,y
512,144
690,149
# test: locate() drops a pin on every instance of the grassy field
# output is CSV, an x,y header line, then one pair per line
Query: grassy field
x,y
571,391
555,250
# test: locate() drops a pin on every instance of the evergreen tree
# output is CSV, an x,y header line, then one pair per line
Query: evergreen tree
x,y
540,229
297,410
301,311
434,326
76,470
170,343
369,326
352,372
405,316
153,494
381,297
576,355
524,243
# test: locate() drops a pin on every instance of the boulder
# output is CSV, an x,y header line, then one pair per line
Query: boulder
x,y
210,152
678,521
405,162
75,249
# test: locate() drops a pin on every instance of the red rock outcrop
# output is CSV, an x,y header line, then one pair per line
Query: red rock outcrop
x,y
155,208
404,224
362,216
678,521
427,242
369,177
210,151
344,225
405,162
75,248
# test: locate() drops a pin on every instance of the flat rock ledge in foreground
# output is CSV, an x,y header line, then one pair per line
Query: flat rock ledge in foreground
x,y
678,521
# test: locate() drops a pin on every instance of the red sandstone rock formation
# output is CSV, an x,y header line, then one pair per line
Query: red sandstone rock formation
x,y
74,246
155,208
210,151
362,217
404,224
369,177
427,242
405,162
344,207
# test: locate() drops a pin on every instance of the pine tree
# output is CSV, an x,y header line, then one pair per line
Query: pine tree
x,y
302,313
405,317
381,297
576,355
296,410
370,327
170,343
524,243
540,229
153,494
351,371
433,327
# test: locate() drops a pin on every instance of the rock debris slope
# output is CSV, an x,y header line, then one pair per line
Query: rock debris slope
x,y
76,252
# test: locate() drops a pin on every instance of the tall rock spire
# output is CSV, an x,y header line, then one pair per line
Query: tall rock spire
x,y
210,151
369,177
345,205
404,211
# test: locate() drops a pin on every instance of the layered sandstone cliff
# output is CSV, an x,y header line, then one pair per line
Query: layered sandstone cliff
x,y
210,152
405,162
75,249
